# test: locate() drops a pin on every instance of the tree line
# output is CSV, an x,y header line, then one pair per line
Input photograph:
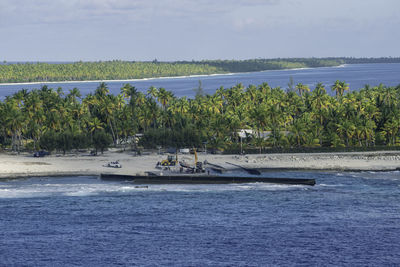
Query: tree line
x,y
107,70
51,119
116,69
270,64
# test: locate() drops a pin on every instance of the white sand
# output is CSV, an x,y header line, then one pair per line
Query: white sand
x,y
25,165
121,80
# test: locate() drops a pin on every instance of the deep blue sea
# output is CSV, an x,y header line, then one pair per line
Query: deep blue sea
x,y
357,76
347,219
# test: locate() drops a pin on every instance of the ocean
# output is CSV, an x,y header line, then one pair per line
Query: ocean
x,y
357,76
347,219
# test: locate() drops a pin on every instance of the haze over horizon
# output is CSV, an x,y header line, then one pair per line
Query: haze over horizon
x,y
171,30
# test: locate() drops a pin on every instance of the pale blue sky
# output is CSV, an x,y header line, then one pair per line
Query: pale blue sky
x,y
71,30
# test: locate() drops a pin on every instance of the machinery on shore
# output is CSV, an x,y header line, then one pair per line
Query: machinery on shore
x,y
170,161
185,167
196,168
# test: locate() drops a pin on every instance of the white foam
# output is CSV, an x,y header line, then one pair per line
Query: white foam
x,y
80,187
330,185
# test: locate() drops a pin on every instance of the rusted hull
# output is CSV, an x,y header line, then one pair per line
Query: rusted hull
x,y
205,179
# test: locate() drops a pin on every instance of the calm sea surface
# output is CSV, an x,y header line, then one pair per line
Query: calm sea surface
x,y
356,76
347,219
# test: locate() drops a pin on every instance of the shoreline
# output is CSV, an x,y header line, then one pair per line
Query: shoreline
x,y
121,80
159,78
81,164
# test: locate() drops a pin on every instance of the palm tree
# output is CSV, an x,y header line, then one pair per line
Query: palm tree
x,y
74,94
302,88
107,110
298,131
391,130
259,118
153,92
258,141
102,90
346,129
131,93
95,124
13,123
340,87
214,104
163,97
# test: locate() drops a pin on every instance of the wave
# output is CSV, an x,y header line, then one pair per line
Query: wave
x,y
81,187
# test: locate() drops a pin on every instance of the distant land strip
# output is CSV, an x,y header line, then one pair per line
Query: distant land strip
x,y
125,70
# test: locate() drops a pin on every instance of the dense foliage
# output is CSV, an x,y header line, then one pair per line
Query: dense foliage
x,y
270,64
109,70
353,60
274,118
114,70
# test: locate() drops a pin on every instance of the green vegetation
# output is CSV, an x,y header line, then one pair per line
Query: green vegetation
x,y
270,64
109,70
274,119
117,70
353,60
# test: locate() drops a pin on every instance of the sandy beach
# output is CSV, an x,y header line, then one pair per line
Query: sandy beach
x,y
80,164
129,80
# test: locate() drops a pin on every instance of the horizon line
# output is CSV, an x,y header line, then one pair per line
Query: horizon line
x,y
185,61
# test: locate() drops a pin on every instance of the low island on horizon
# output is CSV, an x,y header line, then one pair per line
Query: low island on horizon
x,y
41,72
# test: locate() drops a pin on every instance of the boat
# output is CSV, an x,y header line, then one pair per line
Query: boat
x,y
175,178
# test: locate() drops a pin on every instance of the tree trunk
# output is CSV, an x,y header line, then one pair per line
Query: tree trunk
x,y
112,132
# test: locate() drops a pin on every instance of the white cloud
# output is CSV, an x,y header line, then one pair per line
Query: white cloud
x,y
62,11
185,29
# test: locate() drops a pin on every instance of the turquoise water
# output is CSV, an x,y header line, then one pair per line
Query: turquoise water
x,y
357,76
347,219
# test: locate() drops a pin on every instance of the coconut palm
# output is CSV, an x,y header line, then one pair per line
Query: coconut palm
x,y
340,87
347,130
102,90
302,89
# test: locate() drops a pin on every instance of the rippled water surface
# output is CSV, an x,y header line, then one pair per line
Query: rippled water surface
x,y
356,75
346,219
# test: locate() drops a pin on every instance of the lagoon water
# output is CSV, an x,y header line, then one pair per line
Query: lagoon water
x,y
347,219
357,76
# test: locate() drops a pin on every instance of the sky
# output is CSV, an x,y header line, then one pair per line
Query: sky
x,y
169,30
